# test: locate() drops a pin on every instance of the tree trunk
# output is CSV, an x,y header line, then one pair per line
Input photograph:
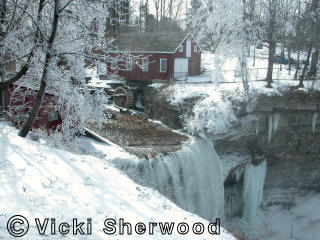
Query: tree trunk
x,y
297,66
272,43
314,6
254,56
304,71
270,63
282,54
244,73
2,90
314,62
34,112
2,99
289,59
3,5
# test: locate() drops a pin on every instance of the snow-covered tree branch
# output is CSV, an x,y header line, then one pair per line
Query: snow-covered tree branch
x,y
51,41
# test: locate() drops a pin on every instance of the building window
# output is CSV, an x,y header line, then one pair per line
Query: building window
x,y
53,117
129,64
163,65
181,48
195,48
145,65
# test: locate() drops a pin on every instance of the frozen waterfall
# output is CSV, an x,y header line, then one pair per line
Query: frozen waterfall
x,y
191,177
254,177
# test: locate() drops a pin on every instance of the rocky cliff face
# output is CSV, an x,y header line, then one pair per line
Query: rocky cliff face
x,y
158,107
287,132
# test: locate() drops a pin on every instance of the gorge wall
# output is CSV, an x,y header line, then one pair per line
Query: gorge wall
x,y
283,129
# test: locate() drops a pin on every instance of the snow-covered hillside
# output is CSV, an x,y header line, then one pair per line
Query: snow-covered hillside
x,y
38,181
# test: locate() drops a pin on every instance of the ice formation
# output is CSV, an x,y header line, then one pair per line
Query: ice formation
x,y
273,124
191,177
253,183
314,121
276,120
233,204
270,127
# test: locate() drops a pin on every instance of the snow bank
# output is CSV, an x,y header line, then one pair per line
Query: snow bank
x,y
38,181
157,85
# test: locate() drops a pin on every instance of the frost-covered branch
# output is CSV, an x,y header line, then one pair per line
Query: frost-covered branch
x,y
54,56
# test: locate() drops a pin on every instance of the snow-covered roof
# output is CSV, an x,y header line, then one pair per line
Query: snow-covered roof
x,y
35,85
162,42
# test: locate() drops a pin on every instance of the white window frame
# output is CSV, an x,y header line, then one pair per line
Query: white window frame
x,y
53,116
161,62
129,64
181,48
195,48
145,66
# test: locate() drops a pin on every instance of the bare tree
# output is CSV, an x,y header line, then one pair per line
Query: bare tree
x,y
34,112
167,10
271,39
313,19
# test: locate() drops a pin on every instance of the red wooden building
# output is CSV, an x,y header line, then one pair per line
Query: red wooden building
x,y
19,100
154,56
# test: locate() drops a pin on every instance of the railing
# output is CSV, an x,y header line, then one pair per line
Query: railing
x,y
234,76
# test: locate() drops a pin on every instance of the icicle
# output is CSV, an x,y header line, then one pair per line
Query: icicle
x,y
273,124
232,200
239,172
276,120
252,193
257,128
270,127
314,121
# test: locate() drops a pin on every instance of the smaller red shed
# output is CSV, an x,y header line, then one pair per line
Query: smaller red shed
x,y
19,100
153,56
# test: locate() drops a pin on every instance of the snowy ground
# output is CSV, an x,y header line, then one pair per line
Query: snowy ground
x,y
38,181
